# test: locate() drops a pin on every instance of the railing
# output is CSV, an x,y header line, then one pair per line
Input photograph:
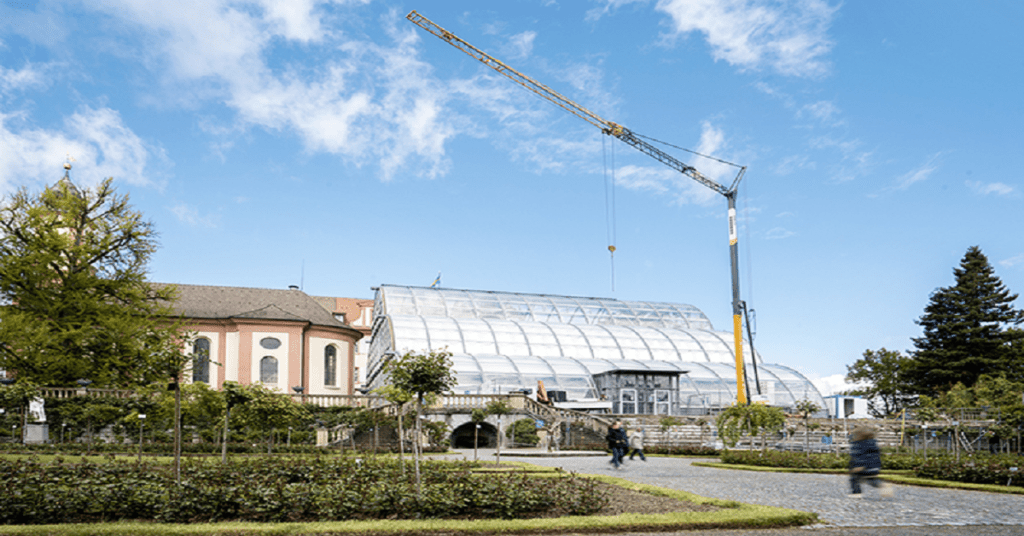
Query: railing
x,y
70,392
330,401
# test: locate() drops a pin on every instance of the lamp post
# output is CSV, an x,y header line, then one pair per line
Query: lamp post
x,y
142,419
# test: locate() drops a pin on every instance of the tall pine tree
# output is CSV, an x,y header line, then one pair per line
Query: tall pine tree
x,y
967,329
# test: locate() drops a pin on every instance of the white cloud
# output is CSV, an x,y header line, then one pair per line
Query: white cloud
x,y
853,162
190,215
824,111
609,5
1012,261
832,385
793,163
681,188
98,140
918,174
28,77
778,233
521,44
362,101
997,188
789,36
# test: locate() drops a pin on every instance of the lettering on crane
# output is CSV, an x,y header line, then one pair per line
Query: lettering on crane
x,y
732,227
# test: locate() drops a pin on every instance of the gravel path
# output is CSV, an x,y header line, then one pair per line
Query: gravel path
x,y
823,494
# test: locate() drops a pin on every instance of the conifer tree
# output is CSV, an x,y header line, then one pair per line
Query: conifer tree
x,y
74,300
967,329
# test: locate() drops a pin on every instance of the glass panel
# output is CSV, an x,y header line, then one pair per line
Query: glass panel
x,y
270,343
627,401
662,402
201,361
268,370
330,365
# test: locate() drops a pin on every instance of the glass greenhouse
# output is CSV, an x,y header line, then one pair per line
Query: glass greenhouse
x,y
505,342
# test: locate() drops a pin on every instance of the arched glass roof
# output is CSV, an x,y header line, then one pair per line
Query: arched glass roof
x,y
455,303
505,341
579,341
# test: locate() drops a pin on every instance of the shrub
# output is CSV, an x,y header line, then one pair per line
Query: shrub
x,y
264,489
523,432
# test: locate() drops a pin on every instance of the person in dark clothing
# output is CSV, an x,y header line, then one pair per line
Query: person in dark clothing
x,y
865,462
617,443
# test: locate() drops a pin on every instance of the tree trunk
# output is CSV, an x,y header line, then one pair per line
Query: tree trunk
x,y
476,438
401,442
224,445
499,441
177,432
416,444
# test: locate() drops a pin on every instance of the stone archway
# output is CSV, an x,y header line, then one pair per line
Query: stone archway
x,y
462,437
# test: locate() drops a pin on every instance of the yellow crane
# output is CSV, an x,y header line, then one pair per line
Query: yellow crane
x,y
627,136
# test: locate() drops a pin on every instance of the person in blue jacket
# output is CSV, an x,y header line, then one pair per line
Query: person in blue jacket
x,y
865,461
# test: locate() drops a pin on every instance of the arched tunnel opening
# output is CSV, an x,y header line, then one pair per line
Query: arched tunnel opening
x,y
486,436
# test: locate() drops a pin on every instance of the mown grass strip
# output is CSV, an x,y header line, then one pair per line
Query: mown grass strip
x,y
899,477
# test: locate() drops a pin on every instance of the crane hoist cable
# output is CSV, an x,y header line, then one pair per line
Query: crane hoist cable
x,y
630,138
609,202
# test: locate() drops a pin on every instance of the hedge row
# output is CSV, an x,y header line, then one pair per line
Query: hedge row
x,y
1002,470
278,490
167,449
682,450
979,468
802,460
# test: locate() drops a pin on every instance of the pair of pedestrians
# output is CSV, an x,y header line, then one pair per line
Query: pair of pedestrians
x,y
619,444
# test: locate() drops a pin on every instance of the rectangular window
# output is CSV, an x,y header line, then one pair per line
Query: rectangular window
x,y
627,401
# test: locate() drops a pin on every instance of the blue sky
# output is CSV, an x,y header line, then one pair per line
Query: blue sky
x,y
337,146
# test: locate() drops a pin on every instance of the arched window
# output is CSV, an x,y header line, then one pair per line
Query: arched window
x,y
201,361
268,370
330,365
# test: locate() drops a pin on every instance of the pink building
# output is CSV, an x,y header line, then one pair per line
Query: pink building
x,y
282,338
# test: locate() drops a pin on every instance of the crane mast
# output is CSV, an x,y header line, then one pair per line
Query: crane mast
x,y
628,137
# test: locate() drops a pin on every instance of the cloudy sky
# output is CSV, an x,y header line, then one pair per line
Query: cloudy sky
x,y
337,146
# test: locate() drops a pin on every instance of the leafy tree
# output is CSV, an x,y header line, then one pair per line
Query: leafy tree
x,y
477,416
74,301
498,408
884,372
738,419
965,329
14,398
400,398
421,375
806,408
266,410
523,432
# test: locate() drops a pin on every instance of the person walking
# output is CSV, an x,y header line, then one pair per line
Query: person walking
x,y
636,444
865,462
617,443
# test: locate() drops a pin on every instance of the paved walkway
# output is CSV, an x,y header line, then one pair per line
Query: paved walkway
x,y
821,494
